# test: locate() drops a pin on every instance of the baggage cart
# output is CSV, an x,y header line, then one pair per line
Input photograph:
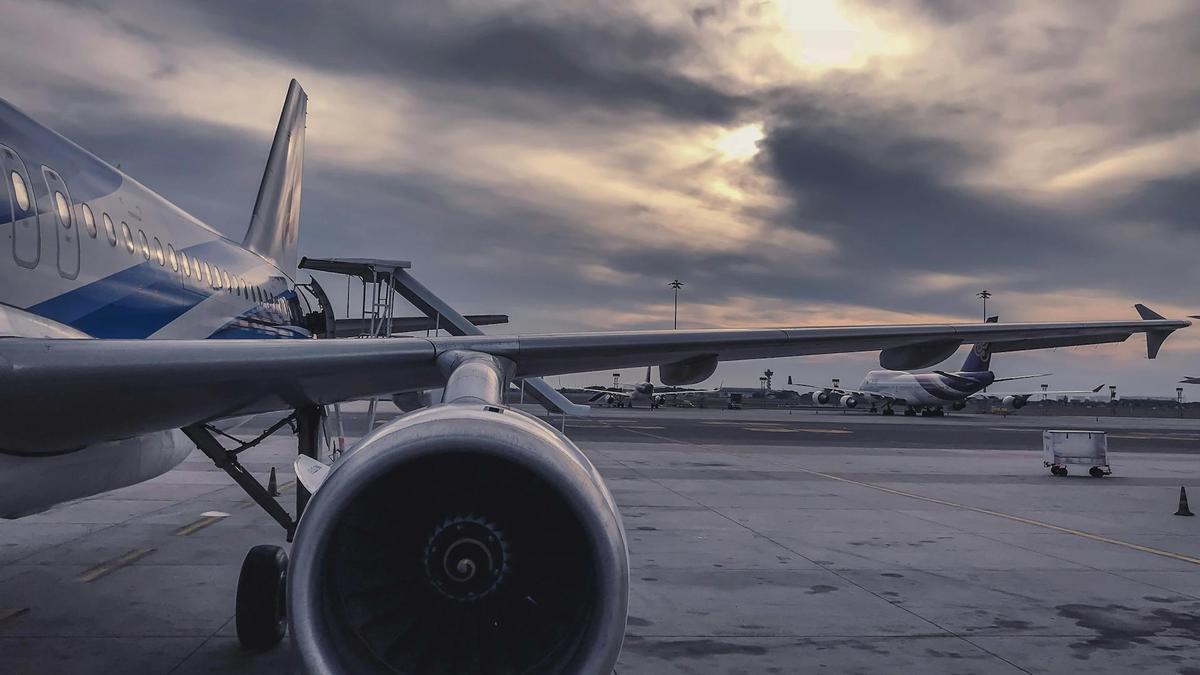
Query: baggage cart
x,y
1061,448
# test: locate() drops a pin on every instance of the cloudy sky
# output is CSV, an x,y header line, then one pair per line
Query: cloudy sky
x,y
793,162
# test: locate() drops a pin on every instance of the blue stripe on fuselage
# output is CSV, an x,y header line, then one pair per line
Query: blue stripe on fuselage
x,y
140,300
133,303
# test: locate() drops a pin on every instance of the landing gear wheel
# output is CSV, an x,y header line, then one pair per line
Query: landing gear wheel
x,y
1096,472
909,412
261,613
888,412
1058,470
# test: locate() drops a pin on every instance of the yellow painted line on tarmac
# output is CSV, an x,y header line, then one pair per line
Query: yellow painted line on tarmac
x,y
824,431
777,430
1009,516
6,614
631,427
109,566
206,519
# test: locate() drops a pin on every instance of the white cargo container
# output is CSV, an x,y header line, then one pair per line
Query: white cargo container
x,y
1063,447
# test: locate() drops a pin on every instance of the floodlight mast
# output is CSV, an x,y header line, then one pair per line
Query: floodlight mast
x,y
676,285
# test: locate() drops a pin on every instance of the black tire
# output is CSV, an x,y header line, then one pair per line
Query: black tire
x,y
1096,472
909,412
261,613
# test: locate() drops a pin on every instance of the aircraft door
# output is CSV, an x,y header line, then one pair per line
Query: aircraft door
x,y
60,215
26,230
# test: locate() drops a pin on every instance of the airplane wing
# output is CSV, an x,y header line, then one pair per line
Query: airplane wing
x,y
842,392
967,380
677,392
1028,394
600,392
1020,377
60,394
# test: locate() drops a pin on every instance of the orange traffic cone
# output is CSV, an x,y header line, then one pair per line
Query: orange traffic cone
x,y
1183,505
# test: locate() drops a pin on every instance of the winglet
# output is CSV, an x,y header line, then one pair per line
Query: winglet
x,y
1097,389
1148,314
1154,338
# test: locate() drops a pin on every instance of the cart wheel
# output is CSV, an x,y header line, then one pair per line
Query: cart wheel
x,y
1096,472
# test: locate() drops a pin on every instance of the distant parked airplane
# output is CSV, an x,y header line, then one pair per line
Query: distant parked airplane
x,y
930,393
643,391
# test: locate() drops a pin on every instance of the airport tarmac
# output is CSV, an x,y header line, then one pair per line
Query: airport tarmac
x,y
759,541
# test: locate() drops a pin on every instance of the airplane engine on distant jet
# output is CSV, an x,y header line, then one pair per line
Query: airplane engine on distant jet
x,y
958,405
1013,402
460,534
849,401
821,398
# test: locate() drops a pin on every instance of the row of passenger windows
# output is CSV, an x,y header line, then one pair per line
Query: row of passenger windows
x,y
195,268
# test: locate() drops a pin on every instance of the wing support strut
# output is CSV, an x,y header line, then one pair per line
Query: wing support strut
x,y
307,424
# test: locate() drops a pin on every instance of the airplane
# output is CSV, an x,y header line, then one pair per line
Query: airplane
x,y
464,531
643,391
930,393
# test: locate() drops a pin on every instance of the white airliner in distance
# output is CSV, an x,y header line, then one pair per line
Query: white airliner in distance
x,y
129,327
642,391
931,393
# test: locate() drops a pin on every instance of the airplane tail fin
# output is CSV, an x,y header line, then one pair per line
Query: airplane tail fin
x,y
648,372
979,359
275,224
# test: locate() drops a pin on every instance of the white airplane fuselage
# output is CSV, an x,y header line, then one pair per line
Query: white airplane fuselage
x,y
924,389
88,252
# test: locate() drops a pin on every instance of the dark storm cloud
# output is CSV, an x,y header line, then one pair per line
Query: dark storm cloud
x,y
1172,201
894,201
593,59
889,195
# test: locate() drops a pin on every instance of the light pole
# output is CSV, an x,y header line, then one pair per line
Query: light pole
x,y
984,295
676,285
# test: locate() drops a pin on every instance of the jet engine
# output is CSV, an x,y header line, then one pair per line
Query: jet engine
x,y
462,536
821,398
1013,402
849,401
958,405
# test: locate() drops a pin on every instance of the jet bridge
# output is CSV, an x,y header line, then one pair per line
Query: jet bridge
x,y
382,280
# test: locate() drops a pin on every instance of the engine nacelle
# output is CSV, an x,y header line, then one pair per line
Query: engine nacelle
x,y
821,398
1013,402
849,401
415,400
958,405
460,534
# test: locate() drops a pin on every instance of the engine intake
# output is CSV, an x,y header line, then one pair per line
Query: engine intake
x,y
460,537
